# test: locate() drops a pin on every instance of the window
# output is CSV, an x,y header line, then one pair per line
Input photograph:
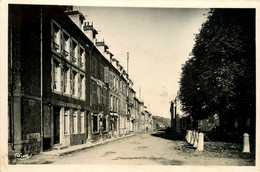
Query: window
x,y
93,66
66,45
66,80
117,84
74,83
123,88
95,123
66,122
82,86
114,103
74,53
106,74
56,37
105,123
101,72
75,122
111,102
94,92
82,59
56,76
82,122
114,82
110,80
104,96
98,94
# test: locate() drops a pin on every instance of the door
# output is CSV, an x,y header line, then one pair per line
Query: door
x,y
56,120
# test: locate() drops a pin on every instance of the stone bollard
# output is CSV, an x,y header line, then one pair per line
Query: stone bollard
x,y
201,142
246,147
189,136
192,137
195,145
186,137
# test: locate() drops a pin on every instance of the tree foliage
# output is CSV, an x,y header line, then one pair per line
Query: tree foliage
x,y
219,77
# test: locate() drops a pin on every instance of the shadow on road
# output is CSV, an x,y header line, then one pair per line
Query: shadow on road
x,y
168,136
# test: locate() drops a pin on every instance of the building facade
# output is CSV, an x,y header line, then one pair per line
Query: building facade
x,y
65,87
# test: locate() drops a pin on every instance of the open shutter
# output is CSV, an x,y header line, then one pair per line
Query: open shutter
x,y
61,42
78,55
71,81
70,50
79,85
62,79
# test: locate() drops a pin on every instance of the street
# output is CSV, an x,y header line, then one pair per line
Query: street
x,y
144,149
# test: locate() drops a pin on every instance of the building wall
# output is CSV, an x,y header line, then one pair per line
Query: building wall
x,y
24,69
24,87
68,119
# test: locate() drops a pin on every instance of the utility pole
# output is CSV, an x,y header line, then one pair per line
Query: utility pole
x,y
127,63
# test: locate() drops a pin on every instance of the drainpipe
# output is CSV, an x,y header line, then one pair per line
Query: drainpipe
x,y
42,129
11,87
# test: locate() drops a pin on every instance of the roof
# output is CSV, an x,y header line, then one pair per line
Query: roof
x,y
82,17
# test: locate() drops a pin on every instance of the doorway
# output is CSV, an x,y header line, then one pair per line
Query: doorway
x,y
56,124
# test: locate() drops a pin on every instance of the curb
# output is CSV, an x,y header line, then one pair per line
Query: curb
x,y
84,147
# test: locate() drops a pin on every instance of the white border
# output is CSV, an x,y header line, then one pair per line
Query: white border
x,y
114,3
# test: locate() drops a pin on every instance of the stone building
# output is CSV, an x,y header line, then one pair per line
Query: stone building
x,y
65,87
48,78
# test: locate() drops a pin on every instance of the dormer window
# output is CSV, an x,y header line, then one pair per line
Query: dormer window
x,y
56,37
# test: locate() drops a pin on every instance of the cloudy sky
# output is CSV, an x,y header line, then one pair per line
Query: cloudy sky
x,y
158,40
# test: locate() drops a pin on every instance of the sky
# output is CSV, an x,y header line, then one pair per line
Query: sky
x,y
159,41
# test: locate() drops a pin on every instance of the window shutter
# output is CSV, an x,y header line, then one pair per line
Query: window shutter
x,y
61,42
62,79
78,55
106,75
70,49
79,85
71,81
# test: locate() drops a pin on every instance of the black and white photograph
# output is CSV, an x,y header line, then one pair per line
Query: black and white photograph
x,y
149,86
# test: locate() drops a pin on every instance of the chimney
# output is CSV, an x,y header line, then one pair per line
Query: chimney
x,y
77,17
101,46
89,31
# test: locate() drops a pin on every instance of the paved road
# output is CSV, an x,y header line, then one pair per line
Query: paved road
x,y
143,149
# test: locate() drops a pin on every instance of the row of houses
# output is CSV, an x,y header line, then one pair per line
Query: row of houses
x,y
65,87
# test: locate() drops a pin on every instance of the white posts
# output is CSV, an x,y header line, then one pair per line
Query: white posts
x,y
201,142
196,139
195,145
246,145
192,137
188,136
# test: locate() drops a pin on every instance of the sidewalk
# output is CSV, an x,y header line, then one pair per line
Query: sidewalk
x,y
41,158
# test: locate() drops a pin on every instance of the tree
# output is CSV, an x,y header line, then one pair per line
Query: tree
x,y
219,78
